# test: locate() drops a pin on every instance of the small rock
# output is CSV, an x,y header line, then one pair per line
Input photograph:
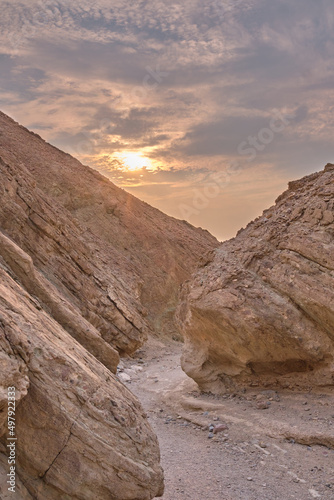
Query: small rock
x,y
211,435
249,479
220,428
271,395
262,405
124,377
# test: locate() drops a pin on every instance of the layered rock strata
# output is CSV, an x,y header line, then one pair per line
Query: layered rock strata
x,y
80,433
261,309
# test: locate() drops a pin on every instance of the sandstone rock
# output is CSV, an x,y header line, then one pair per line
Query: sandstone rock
x,y
80,433
69,263
86,272
125,241
62,311
262,310
21,492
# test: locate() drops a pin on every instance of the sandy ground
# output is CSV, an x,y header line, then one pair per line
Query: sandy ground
x,y
283,452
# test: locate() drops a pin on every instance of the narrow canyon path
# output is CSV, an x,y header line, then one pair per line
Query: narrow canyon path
x,y
285,451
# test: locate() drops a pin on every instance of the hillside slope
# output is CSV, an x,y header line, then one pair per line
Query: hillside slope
x,y
86,273
159,251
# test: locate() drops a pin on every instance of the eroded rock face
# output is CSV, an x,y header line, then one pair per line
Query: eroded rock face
x,y
86,272
261,310
81,434
129,240
72,264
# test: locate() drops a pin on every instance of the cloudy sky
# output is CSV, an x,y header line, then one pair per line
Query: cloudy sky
x,y
205,109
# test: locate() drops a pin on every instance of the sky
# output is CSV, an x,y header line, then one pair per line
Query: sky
x,y
204,109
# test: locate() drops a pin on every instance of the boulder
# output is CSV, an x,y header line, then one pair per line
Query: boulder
x,y
260,311
80,433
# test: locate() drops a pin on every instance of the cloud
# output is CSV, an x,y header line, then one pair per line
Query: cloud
x,y
182,83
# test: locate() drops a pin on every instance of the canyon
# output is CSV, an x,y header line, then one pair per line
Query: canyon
x,y
88,272
100,291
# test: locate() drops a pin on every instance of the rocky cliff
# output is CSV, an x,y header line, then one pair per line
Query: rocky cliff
x,y
261,310
86,273
158,251
80,433
70,263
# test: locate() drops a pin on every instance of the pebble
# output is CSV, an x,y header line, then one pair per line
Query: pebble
x,y
271,395
124,377
220,428
249,479
262,405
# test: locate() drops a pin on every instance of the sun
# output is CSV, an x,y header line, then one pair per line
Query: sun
x,y
134,161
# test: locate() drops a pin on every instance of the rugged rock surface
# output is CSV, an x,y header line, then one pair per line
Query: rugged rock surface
x,y
261,310
86,271
69,261
80,433
159,252
62,310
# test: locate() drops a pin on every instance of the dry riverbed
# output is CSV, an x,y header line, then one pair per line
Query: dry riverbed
x,y
256,445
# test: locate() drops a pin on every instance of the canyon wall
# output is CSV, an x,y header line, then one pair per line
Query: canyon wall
x,y
158,251
260,311
87,272
80,433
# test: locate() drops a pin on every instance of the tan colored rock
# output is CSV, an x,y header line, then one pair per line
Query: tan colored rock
x,y
131,243
73,264
21,492
262,310
86,272
80,433
61,310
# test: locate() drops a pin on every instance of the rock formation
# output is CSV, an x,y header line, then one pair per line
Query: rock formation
x,y
158,251
68,262
86,272
80,433
261,309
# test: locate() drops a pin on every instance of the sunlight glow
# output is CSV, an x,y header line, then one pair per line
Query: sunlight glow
x,y
134,161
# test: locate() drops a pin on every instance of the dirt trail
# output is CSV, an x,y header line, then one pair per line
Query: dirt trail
x,y
283,452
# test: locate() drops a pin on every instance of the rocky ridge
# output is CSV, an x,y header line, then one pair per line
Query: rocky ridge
x,y
83,280
260,311
68,262
81,434
158,251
